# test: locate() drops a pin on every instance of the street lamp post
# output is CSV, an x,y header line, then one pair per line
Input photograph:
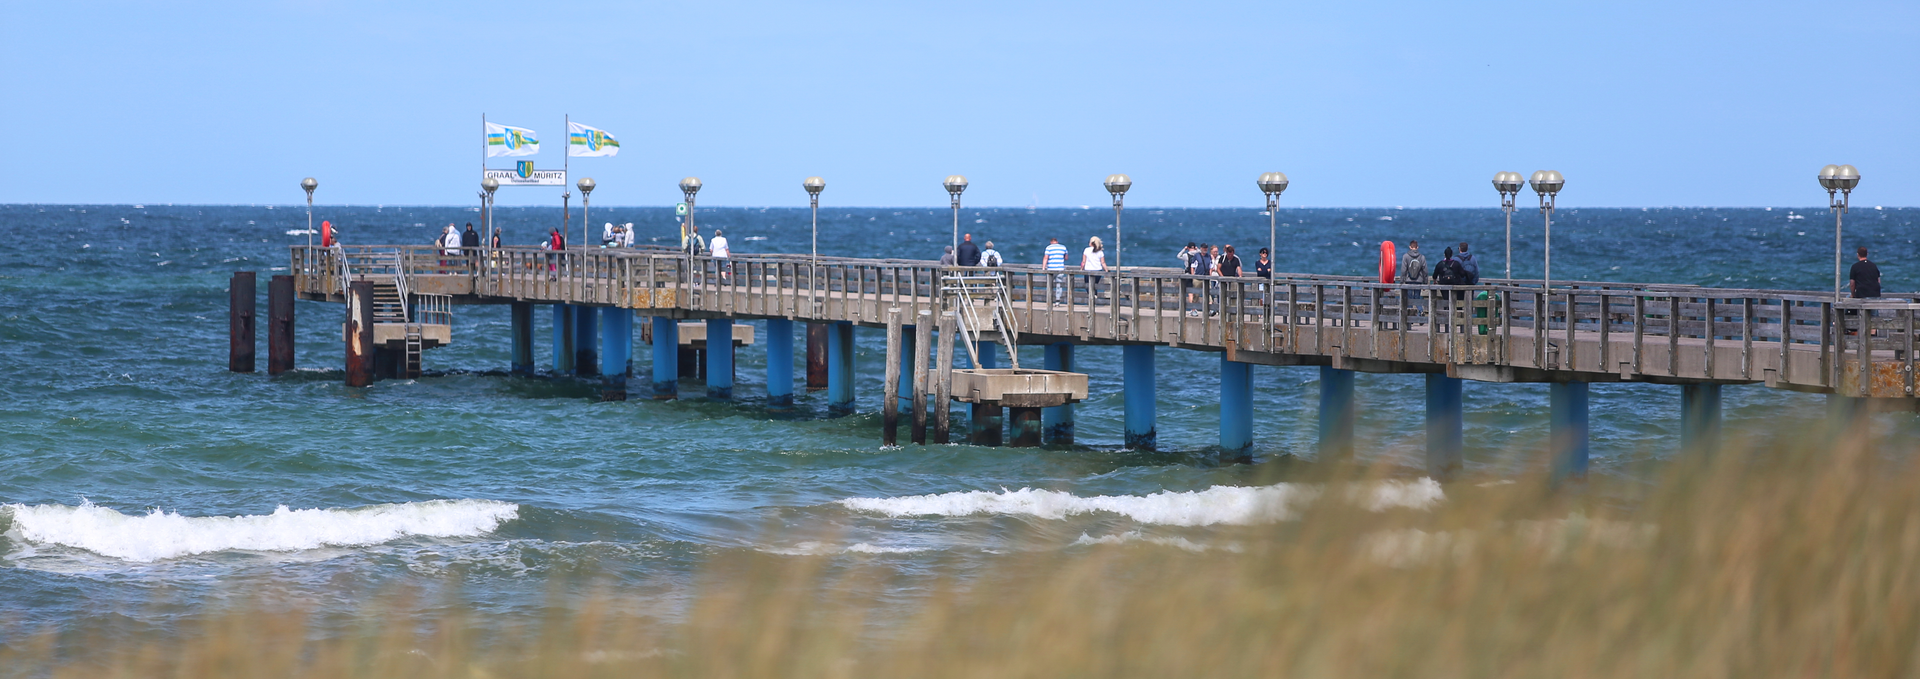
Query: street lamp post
x,y
814,186
488,186
309,184
586,222
1839,181
1508,184
956,185
688,187
1546,184
1117,185
1272,184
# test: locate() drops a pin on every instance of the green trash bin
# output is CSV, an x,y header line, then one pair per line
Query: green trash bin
x,y
1480,312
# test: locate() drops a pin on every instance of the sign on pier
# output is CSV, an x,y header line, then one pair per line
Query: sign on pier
x,y
524,175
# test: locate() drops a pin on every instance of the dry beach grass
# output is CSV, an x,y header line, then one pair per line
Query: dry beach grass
x,y
1768,558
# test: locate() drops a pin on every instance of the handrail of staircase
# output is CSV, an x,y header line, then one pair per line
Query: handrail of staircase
x,y
400,284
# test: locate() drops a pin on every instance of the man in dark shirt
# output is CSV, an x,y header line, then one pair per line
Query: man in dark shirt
x,y
1864,281
967,254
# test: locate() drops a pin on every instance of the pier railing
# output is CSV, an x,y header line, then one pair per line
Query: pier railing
x,y
1501,329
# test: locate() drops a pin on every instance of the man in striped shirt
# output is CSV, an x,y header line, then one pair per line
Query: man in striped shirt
x,y
1055,259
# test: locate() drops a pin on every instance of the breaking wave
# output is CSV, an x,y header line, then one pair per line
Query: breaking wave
x,y
1234,505
159,534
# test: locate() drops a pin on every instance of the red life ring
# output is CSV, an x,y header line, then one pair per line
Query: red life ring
x,y
1386,261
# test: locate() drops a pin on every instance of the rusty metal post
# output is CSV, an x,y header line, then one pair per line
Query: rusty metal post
x,y
280,325
816,356
359,334
241,296
890,393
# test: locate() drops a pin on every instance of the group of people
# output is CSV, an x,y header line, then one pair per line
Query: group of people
x,y
1453,268
969,254
1206,259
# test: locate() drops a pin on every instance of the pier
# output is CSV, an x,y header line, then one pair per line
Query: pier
x,y
400,301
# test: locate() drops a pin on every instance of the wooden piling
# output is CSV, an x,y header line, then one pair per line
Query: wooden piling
x,y
279,325
816,356
923,340
943,383
359,334
890,397
241,296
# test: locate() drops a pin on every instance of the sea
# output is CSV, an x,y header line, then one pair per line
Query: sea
x,y
142,484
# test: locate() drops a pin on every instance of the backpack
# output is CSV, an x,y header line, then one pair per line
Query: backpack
x,y
1449,272
992,259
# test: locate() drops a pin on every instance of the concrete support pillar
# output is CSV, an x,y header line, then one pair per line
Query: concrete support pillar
x,y
1025,423
280,324
359,334
1446,432
1236,406
1056,423
563,339
1137,376
840,368
779,363
241,298
1699,417
817,336
1336,413
586,341
989,354
616,352
986,425
666,357
1569,430
522,313
720,359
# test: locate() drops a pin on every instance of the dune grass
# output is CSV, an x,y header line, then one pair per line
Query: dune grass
x,y
1767,558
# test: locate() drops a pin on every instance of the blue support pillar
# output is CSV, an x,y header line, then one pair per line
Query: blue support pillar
x,y
1569,430
1137,378
989,354
1336,413
616,352
1446,428
908,345
666,357
1699,417
586,345
839,368
779,363
522,338
563,339
720,359
1056,423
1236,406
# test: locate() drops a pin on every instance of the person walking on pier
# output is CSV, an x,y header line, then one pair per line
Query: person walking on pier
x,y
1470,265
1863,280
1054,259
722,251
1448,272
557,243
968,254
469,245
1199,264
1229,266
694,244
1092,259
1413,271
1187,256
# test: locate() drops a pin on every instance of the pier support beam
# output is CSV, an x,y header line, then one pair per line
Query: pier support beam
x,y
279,325
1056,423
923,339
890,391
586,341
1336,413
241,297
986,424
1137,376
1026,427
563,339
1236,407
720,359
616,352
1569,431
1446,426
522,313
666,357
840,368
359,334
1699,417
817,335
779,363
943,384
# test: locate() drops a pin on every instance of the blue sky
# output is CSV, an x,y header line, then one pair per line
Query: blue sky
x,y
1360,103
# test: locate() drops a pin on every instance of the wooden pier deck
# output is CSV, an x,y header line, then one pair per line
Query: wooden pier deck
x,y
1500,331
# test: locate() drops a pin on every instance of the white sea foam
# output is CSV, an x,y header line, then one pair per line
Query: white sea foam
x,y
1137,536
811,548
159,534
1234,505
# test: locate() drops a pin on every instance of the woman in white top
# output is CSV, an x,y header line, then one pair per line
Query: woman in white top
x,y
1094,258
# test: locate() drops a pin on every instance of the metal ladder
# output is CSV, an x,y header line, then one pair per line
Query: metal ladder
x,y
967,294
410,364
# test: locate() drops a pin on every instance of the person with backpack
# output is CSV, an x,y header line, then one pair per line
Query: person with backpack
x,y
990,257
1469,264
1413,271
1199,264
1449,272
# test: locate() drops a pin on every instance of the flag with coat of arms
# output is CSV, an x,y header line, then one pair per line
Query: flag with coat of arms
x,y
507,140
590,142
